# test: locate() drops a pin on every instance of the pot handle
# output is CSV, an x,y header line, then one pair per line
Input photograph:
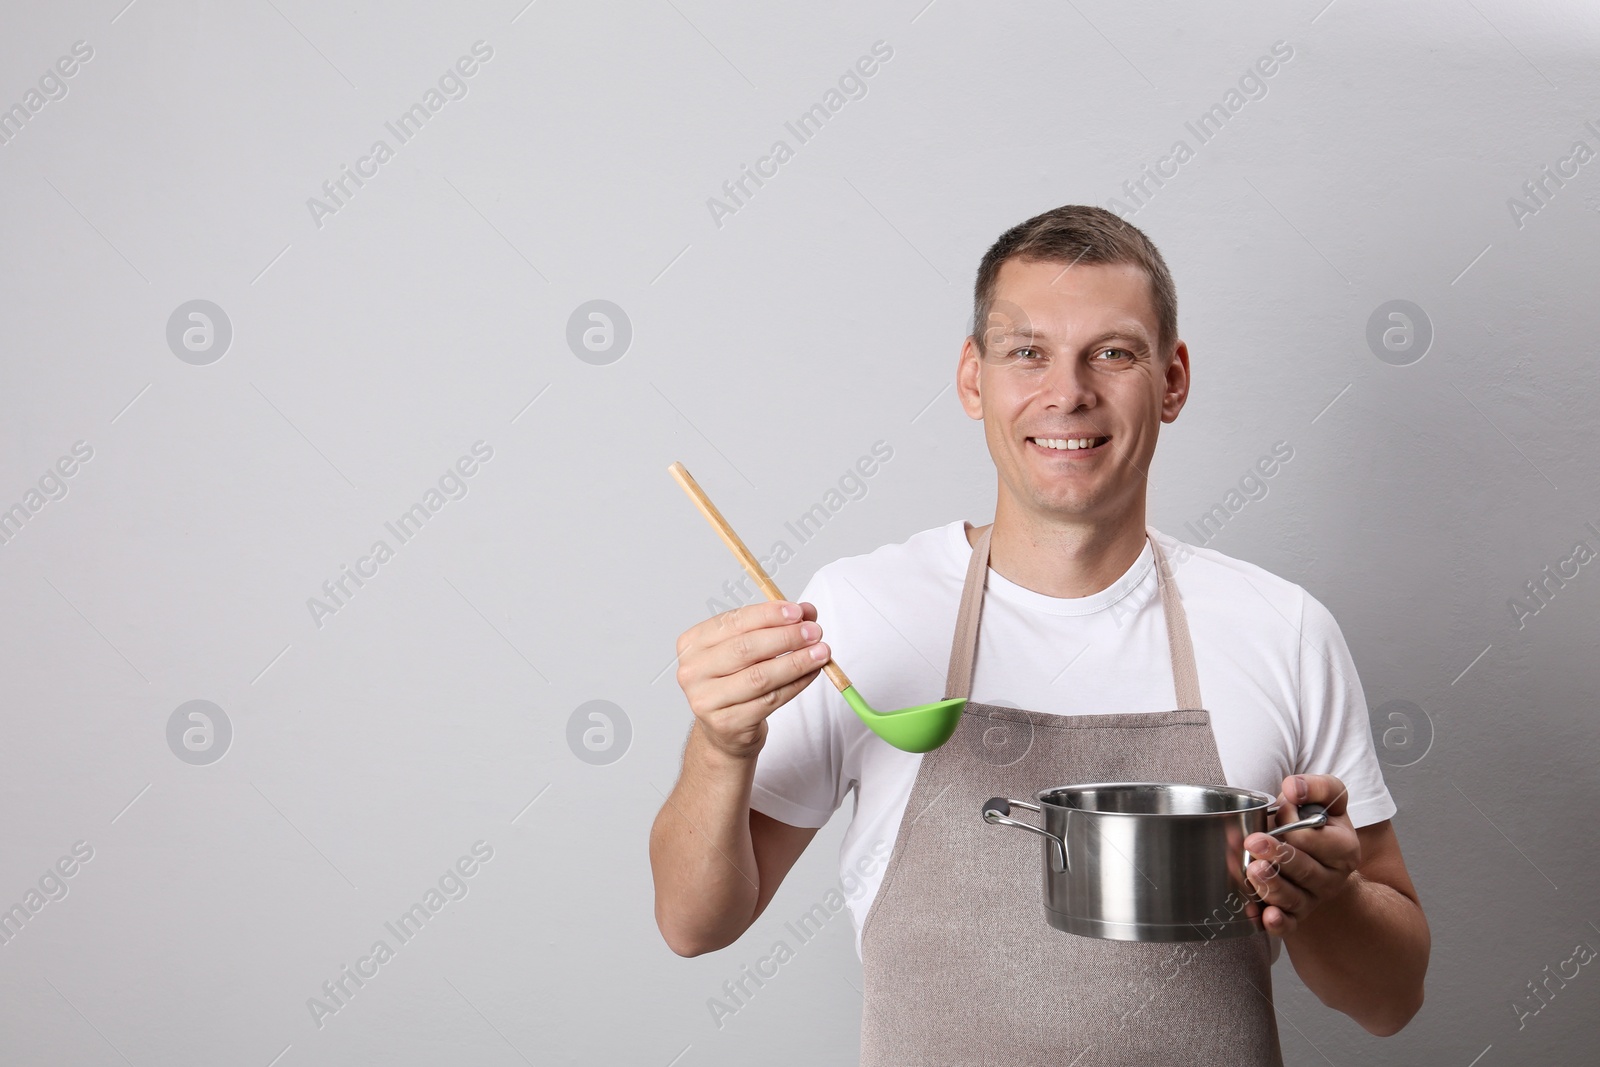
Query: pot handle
x,y
1315,816
1312,817
995,810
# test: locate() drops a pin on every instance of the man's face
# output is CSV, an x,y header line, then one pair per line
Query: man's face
x,y
1071,356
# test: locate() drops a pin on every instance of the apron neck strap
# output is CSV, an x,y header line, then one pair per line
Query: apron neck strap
x,y
958,680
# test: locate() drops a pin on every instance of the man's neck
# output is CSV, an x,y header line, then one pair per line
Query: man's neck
x,y
1063,559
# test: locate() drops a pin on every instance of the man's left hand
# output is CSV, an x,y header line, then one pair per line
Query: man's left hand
x,y
1301,871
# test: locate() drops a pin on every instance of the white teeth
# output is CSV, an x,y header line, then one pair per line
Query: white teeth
x,y
1067,443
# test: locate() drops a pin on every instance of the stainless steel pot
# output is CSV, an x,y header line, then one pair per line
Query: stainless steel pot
x,y
1148,861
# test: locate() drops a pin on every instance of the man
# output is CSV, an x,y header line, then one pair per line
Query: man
x,y
1092,625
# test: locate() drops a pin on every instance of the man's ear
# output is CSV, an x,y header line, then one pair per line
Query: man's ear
x,y
1176,389
968,377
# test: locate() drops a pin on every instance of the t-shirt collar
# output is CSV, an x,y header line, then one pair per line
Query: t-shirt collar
x,y
1020,596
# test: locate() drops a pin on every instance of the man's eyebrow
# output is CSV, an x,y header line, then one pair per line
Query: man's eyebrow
x,y
1126,331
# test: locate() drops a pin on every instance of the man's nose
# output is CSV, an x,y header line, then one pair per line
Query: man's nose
x,y
1066,382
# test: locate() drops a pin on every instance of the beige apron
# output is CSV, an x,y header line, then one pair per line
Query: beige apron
x,y
960,965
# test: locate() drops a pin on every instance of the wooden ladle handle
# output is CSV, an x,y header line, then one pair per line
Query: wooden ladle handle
x,y
751,565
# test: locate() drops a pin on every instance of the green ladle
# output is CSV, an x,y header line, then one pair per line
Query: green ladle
x,y
919,729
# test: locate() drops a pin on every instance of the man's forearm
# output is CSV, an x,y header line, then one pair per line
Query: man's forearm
x,y
701,856
1365,953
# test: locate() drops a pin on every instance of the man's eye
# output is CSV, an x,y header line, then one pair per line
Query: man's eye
x,y
1121,353
1021,354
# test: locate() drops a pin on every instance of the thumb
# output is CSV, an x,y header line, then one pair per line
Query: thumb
x,y
1324,789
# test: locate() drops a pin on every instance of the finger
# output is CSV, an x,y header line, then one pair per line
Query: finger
x,y
1274,885
1278,922
1324,789
1315,860
1285,861
719,627
1334,844
764,704
756,680
742,649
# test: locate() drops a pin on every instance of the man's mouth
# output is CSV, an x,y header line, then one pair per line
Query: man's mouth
x,y
1075,446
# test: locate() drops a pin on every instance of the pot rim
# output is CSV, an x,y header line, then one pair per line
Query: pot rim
x,y
1264,801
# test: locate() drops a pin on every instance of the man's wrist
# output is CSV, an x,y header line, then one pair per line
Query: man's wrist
x,y
718,758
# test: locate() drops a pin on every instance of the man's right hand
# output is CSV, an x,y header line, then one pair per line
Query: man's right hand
x,y
738,667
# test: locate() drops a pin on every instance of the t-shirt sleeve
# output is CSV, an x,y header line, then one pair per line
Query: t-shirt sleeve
x,y
798,776
1336,737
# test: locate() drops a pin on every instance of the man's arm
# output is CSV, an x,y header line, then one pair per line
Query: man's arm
x,y
715,861
1344,904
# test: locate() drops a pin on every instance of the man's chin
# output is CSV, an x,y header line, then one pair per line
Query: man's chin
x,y
1076,510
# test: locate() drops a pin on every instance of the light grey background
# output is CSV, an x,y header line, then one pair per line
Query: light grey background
x,y
768,354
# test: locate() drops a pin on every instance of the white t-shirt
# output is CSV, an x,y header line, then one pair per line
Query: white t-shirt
x,y
1275,674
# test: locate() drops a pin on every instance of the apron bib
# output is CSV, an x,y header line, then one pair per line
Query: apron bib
x,y
960,966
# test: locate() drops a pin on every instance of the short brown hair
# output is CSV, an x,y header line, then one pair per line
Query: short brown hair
x,y
1079,233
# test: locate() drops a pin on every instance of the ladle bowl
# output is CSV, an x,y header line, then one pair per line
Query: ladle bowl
x,y
917,729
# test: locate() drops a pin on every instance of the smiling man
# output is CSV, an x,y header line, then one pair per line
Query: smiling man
x,y
1098,637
